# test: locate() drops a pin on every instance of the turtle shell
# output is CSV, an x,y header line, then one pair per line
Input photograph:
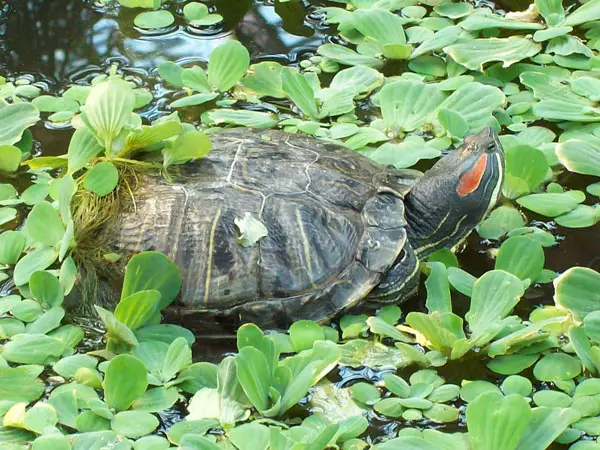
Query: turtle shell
x,y
335,223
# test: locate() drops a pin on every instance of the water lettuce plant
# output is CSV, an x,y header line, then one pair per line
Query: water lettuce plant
x,y
529,74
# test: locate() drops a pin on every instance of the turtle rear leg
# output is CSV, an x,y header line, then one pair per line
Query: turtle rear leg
x,y
400,282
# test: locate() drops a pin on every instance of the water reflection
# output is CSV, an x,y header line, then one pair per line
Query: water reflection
x,y
61,39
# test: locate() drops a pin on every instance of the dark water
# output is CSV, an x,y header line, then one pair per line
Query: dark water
x,y
60,42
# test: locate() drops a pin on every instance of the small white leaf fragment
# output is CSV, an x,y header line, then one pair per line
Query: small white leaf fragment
x,y
251,230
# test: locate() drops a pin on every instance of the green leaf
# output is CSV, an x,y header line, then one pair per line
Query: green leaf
x,y
152,443
546,425
14,120
89,421
197,427
194,100
403,155
116,330
586,87
197,376
265,79
591,324
51,442
511,364
165,332
154,19
441,330
83,147
484,20
250,230
526,168
39,259
299,91
44,224
27,310
227,65
250,119
522,257
152,271
196,78
17,384
495,294
189,145
502,220
10,158
453,122
378,325
581,156
496,422
549,398
552,204
198,443
578,289
8,303
67,367
137,309
101,179
156,400
7,215
40,417
438,289
124,382
254,376
10,327
151,135
473,54
195,11
361,79
379,25
32,349
557,366
139,3
583,349
178,357
304,333
582,216
47,322
517,385
566,46
108,108
46,289
12,244
475,102
405,105
440,39
552,11
134,424
250,436
588,12
68,275
171,73
344,55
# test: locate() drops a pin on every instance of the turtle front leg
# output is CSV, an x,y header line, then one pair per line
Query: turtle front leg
x,y
400,282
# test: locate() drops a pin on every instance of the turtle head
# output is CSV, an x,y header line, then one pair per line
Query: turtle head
x,y
455,194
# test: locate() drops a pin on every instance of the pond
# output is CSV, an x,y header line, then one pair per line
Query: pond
x,y
500,346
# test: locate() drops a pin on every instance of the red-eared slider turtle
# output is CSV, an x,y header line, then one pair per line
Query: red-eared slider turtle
x,y
340,229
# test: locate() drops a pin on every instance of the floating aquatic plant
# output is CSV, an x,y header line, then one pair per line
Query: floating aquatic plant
x,y
463,74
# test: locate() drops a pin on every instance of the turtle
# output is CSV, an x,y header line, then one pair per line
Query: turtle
x,y
340,229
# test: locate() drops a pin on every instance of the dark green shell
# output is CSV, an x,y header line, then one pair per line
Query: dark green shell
x,y
335,224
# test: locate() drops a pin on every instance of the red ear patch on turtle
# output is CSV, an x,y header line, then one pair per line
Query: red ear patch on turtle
x,y
470,180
